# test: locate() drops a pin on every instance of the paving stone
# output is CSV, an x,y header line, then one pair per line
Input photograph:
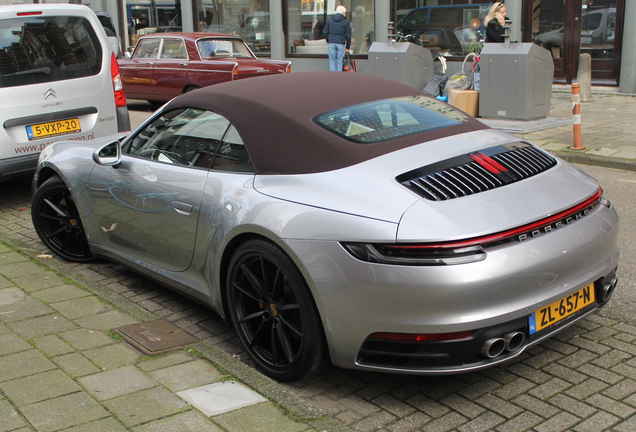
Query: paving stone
x,y
52,345
393,405
627,425
610,405
76,364
565,373
264,417
535,405
187,422
523,422
529,373
161,361
83,339
144,406
448,422
40,281
217,398
600,421
586,388
63,412
409,423
573,406
24,309
39,387
9,418
428,406
20,269
600,373
463,406
103,425
550,388
106,321
485,422
60,293
42,326
81,307
10,343
11,257
187,375
621,390
560,422
5,283
21,364
498,405
9,296
117,382
113,356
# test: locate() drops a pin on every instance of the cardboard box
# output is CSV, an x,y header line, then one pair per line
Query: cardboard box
x,y
465,100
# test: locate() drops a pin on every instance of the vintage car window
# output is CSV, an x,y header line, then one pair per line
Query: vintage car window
x,y
217,47
37,50
173,49
147,48
388,119
184,136
232,155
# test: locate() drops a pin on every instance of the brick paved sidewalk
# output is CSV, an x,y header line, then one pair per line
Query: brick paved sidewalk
x,y
62,368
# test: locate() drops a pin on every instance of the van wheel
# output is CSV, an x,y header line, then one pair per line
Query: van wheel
x,y
58,223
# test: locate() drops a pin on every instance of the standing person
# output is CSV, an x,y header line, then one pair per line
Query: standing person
x,y
495,21
337,32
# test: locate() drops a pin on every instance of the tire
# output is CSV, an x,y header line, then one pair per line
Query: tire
x,y
58,223
273,312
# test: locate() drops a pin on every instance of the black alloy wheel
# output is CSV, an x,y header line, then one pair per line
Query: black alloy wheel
x,y
273,312
58,223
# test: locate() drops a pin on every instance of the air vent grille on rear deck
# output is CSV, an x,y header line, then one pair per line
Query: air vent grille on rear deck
x,y
477,172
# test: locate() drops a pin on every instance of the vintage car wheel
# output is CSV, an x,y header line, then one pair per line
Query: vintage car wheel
x,y
273,312
58,223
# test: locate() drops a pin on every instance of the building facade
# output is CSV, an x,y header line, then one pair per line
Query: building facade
x,y
292,29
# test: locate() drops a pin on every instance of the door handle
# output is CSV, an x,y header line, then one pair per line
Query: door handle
x,y
183,64
182,208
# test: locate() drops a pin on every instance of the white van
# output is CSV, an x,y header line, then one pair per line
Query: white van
x,y
59,80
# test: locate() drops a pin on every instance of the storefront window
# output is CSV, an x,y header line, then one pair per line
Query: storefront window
x,y
248,19
147,17
449,28
306,20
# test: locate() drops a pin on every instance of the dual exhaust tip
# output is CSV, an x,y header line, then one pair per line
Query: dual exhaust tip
x,y
510,342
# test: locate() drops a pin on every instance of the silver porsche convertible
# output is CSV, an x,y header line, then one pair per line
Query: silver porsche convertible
x,y
340,217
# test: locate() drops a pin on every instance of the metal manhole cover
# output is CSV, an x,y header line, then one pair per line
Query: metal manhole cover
x,y
155,337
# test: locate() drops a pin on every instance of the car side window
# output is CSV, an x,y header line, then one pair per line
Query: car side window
x,y
173,49
184,136
148,48
232,155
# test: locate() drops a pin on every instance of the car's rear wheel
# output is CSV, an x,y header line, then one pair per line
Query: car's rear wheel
x,y
58,223
273,312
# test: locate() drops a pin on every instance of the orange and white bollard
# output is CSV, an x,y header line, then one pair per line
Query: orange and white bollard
x,y
576,117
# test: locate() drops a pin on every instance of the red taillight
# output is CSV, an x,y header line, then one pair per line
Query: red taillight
x,y
424,337
29,13
118,83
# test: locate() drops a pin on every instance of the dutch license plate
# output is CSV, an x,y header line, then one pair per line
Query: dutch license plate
x,y
560,309
51,129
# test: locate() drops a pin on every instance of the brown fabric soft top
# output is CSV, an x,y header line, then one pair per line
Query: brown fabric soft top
x,y
273,115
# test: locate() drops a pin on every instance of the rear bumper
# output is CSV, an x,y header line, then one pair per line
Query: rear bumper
x,y
123,119
17,166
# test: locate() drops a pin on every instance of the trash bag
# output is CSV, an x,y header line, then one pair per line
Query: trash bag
x,y
435,86
458,81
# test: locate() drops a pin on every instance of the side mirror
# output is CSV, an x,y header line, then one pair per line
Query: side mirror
x,y
128,55
108,155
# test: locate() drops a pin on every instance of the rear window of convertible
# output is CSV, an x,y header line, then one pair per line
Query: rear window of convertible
x,y
388,119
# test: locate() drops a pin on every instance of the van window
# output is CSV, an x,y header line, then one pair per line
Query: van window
x,y
37,50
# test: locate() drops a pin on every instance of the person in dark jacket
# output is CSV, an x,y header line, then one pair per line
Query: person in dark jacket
x,y
337,32
495,22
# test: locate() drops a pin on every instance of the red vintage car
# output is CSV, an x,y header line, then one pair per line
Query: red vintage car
x,y
165,65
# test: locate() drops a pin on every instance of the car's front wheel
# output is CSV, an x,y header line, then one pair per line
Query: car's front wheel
x,y
273,312
57,221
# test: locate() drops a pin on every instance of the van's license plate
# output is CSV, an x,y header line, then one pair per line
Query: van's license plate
x,y
51,129
556,311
